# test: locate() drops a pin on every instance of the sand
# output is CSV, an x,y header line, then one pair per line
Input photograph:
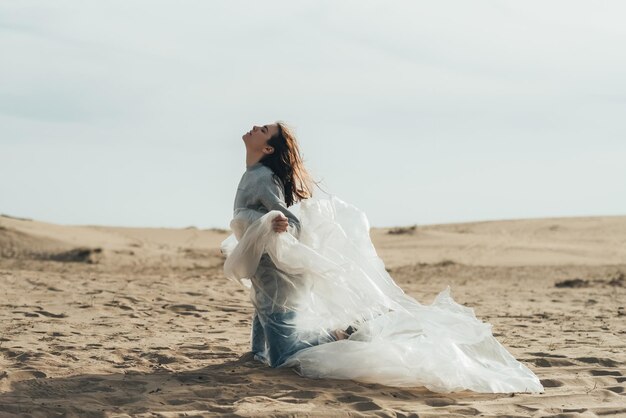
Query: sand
x,y
105,321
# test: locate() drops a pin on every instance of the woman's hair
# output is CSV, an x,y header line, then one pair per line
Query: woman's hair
x,y
288,166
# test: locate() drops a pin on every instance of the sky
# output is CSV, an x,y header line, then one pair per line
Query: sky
x,y
130,113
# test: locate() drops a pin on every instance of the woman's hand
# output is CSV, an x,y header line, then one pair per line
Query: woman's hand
x,y
280,223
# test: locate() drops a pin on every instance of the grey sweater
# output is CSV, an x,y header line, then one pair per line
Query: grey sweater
x,y
260,190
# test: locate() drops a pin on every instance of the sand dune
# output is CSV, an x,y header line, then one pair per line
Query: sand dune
x,y
107,321
552,241
580,241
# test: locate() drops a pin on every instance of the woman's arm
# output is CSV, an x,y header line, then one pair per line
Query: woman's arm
x,y
272,196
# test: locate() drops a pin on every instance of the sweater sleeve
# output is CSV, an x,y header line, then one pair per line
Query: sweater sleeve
x,y
272,196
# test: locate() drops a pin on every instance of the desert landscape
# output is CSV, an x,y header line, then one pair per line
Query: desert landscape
x,y
109,321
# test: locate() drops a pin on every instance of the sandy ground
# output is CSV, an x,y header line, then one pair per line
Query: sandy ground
x,y
102,321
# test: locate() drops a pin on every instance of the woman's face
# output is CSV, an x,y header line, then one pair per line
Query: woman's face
x,y
256,138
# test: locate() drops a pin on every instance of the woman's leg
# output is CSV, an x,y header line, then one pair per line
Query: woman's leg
x,y
257,335
283,340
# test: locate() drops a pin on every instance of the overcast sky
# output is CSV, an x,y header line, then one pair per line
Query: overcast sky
x,y
131,113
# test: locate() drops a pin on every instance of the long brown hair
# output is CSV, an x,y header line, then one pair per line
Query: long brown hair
x,y
288,165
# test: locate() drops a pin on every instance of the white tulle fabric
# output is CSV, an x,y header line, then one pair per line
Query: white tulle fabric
x,y
337,280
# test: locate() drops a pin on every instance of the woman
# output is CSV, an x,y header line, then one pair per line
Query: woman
x,y
274,178
324,302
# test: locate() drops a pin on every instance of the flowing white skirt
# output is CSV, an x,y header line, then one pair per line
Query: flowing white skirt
x,y
331,277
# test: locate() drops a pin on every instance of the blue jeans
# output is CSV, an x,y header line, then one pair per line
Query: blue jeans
x,y
276,331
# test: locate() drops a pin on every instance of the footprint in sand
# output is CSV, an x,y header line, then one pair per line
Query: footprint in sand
x,y
407,415
353,398
359,403
50,314
366,406
116,304
439,401
605,373
27,375
159,358
20,356
36,314
606,362
543,362
467,411
540,354
184,309
551,383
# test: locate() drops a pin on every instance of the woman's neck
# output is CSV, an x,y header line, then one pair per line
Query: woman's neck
x,y
252,160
